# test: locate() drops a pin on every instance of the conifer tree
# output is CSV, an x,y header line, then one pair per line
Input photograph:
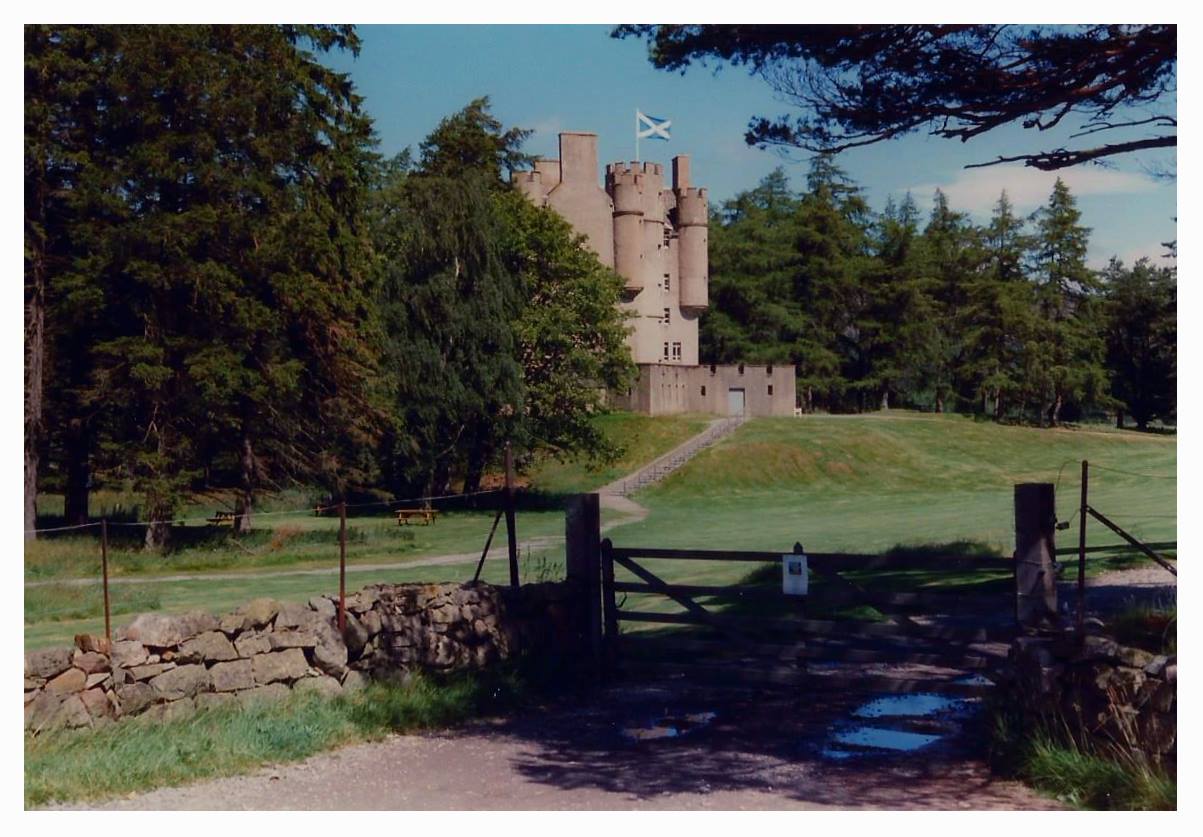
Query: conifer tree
x,y
1142,333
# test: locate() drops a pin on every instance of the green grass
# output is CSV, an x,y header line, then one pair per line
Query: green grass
x,y
870,482
641,438
139,753
1090,777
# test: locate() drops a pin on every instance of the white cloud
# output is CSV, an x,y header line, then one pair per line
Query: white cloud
x,y
1099,257
977,190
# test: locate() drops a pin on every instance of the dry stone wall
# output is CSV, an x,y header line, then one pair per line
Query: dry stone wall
x,y
1107,692
170,665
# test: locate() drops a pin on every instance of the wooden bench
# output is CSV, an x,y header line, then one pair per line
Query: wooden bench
x,y
426,515
223,518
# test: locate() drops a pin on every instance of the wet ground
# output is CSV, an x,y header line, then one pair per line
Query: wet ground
x,y
652,746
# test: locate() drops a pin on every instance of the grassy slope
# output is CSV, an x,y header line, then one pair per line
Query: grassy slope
x,y
643,438
869,483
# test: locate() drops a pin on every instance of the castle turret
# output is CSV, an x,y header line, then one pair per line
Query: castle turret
x,y
579,199
626,186
692,224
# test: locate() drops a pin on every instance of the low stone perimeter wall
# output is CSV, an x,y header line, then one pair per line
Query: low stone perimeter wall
x,y
1108,692
169,665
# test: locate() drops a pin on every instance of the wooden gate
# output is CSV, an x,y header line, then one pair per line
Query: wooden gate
x,y
897,622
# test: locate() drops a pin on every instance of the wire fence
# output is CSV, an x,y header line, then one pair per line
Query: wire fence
x,y
75,589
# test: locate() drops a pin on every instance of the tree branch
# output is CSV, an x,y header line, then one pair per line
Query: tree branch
x,y
1063,158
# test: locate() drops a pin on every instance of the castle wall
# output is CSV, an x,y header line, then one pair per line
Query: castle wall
x,y
665,389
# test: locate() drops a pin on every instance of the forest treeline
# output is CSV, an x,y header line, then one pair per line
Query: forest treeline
x,y
906,308
228,288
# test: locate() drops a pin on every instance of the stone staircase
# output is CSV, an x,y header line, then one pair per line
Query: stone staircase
x,y
659,468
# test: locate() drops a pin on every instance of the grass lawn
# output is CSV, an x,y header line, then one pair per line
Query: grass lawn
x,y
140,754
873,482
643,438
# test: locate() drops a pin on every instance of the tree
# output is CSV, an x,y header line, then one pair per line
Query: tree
x,y
223,254
1068,364
863,84
1142,336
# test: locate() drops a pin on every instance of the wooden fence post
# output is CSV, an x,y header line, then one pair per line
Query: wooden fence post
x,y
104,571
342,566
1035,579
510,523
582,536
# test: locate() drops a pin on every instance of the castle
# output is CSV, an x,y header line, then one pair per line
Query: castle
x,y
656,239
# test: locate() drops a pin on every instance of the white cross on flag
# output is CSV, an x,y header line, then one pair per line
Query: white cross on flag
x,y
651,127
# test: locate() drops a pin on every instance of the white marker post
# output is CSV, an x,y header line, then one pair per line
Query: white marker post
x,y
795,574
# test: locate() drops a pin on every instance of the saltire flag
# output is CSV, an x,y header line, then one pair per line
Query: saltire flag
x,y
651,127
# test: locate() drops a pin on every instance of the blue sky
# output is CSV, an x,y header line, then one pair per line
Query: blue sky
x,y
575,77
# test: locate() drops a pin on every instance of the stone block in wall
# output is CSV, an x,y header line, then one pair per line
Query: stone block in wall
x,y
211,646
134,697
70,681
324,606
330,652
355,636
97,703
159,630
34,683
353,681
40,711
93,644
128,653
209,700
371,622
48,663
71,713
292,639
96,679
146,672
250,644
233,676
257,613
183,681
279,665
296,616
1134,657
323,685
89,662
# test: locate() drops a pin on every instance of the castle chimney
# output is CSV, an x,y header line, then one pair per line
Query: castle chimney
x,y
680,172
578,158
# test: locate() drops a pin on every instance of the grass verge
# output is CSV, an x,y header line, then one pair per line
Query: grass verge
x,y
140,754
1084,776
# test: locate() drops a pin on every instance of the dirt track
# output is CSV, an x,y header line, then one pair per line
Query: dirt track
x,y
761,752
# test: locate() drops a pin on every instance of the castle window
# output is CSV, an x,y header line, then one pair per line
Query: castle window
x,y
676,351
666,350
769,369
703,390
712,368
667,281
741,369
666,316
770,389
668,234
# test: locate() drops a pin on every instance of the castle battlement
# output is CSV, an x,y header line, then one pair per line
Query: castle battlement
x,y
653,234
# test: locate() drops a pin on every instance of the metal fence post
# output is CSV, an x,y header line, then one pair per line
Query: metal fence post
x,y
104,572
342,566
1082,554
510,523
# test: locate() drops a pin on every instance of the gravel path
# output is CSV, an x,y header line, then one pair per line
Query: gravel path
x,y
759,753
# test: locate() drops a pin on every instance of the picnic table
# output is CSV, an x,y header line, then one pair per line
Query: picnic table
x,y
222,518
427,516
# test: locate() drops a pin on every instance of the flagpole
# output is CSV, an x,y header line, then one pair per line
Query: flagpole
x,y
636,135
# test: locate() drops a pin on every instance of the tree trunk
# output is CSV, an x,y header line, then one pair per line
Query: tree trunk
x,y
1055,416
885,399
939,403
810,399
79,471
476,466
998,404
35,352
246,496
440,479
1119,419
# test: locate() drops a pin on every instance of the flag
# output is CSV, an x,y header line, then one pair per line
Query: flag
x,y
651,127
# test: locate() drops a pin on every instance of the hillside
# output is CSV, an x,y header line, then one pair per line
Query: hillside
x,y
873,481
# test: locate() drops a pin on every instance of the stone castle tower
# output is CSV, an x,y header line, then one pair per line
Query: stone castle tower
x,y
656,239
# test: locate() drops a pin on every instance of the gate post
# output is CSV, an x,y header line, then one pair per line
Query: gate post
x,y
1035,578
582,551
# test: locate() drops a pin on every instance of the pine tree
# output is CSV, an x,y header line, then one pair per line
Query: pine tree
x,y
1142,337
1067,368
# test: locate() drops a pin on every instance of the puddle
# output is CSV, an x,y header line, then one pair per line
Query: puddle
x,y
932,716
884,739
670,726
918,705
